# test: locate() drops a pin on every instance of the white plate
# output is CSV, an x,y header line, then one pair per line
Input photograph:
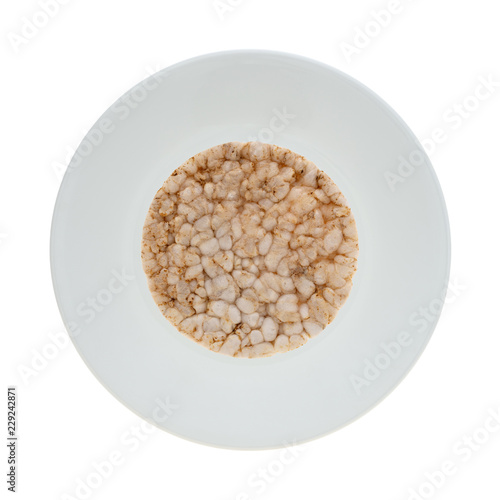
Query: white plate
x,y
353,136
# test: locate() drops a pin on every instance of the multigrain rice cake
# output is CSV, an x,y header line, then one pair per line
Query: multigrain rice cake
x,y
249,249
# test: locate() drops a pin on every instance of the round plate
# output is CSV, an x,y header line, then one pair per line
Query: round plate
x,y
348,132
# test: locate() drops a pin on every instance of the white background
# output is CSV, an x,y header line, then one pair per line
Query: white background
x,y
428,58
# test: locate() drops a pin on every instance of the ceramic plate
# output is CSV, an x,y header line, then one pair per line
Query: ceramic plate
x,y
348,132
